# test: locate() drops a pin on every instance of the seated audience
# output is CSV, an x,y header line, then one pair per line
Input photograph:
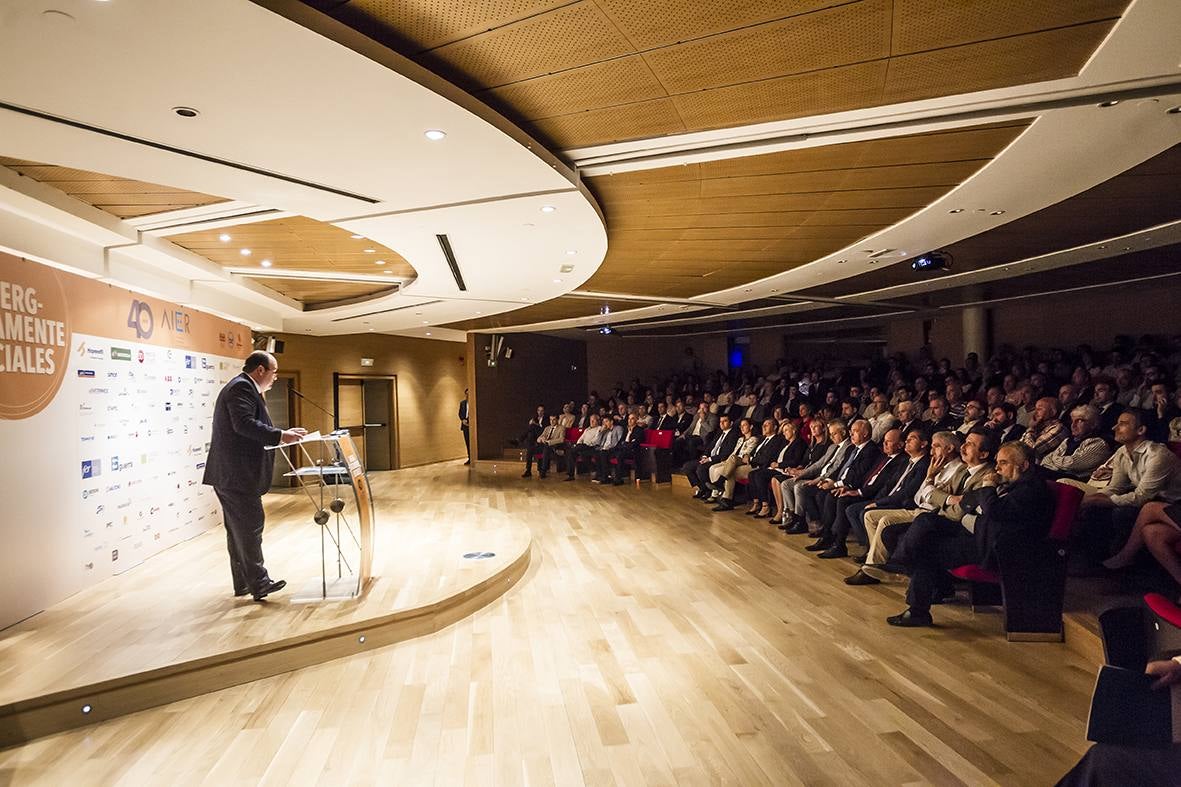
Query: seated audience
x,y
697,470
973,417
792,504
790,453
702,429
551,438
609,438
1003,423
533,430
663,418
585,447
881,420
878,481
626,450
1103,400
859,460
1045,431
1080,454
722,474
817,451
1141,471
1010,513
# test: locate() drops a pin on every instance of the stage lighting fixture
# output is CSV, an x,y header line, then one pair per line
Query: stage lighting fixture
x,y
606,330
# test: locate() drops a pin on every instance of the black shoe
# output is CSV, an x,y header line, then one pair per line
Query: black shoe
x,y
819,546
700,494
269,588
568,478
911,619
834,551
798,529
541,475
526,474
889,568
723,505
468,462
861,578
861,559
240,593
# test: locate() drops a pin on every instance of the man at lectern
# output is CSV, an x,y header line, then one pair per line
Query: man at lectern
x,y
239,469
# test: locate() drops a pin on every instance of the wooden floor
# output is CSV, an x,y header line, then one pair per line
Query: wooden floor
x,y
179,606
651,642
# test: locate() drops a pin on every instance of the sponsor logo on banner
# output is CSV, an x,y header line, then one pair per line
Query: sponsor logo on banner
x,y
90,352
92,468
120,354
190,362
86,372
88,492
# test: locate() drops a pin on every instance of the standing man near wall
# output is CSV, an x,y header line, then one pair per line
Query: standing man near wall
x,y
239,469
465,427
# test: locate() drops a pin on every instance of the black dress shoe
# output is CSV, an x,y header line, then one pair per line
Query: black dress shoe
x,y
889,568
240,593
834,551
911,619
700,494
861,578
861,559
798,529
269,588
819,546
568,478
723,505
526,474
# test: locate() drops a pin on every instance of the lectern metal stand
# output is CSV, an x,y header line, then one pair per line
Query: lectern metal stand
x,y
322,479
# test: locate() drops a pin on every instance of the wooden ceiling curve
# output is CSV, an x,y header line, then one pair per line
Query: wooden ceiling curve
x,y
121,197
682,231
597,71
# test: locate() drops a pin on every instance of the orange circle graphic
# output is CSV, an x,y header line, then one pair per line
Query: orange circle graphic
x,y
34,339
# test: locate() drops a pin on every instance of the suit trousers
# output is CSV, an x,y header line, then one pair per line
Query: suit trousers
x,y
548,456
876,520
1106,763
833,521
853,522
929,565
244,519
697,472
920,537
759,487
576,452
793,502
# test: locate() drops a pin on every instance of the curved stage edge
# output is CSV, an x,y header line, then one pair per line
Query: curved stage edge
x,y
56,711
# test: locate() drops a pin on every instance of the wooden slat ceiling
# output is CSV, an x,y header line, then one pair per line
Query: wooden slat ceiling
x,y
1141,197
597,71
682,231
315,293
118,196
297,243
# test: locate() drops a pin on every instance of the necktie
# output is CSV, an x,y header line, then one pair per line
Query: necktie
x,y
905,473
848,462
877,470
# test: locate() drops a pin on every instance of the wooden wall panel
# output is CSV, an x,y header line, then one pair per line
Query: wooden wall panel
x,y
431,378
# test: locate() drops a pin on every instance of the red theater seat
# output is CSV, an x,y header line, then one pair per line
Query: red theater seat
x,y
1031,584
656,454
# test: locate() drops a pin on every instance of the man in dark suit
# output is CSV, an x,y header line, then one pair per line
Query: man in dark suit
x,y
1007,517
663,418
627,448
834,506
697,470
239,469
859,459
464,426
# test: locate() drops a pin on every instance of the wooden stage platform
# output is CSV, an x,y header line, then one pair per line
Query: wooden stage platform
x,y
171,627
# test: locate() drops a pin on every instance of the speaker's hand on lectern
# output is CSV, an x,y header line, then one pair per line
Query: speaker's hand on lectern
x,y
292,435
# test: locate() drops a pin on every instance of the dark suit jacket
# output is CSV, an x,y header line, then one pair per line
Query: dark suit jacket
x,y
1015,430
723,446
463,409
630,442
948,423
683,421
904,497
1012,519
666,421
887,476
241,430
797,451
769,452
866,460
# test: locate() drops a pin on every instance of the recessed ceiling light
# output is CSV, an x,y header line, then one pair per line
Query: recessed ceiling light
x,y
434,134
428,333
557,281
479,312
1110,103
997,213
244,252
370,329
571,252
371,251
356,237
841,262
548,208
1102,247
186,112
1127,248
224,238
1173,111
524,299
956,210
379,262
388,273
265,263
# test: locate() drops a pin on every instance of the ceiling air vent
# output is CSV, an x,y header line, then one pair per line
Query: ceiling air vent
x,y
445,245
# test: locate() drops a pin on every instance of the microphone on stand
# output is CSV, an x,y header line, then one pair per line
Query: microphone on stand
x,y
313,403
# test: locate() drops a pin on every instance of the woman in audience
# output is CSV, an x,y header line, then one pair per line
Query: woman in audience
x,y
818,447
764,479
1157,528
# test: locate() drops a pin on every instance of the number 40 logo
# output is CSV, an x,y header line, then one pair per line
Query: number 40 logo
x,y
140,318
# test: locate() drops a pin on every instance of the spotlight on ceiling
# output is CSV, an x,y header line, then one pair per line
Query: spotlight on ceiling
x,y
1110,103
224,238
244,252
548,208
356,237
606,330
265,263
186,112
434,134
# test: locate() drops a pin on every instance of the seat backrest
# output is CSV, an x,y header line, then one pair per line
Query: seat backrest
x,y
1175,447
1163,608
572,434
659,438
1066,503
